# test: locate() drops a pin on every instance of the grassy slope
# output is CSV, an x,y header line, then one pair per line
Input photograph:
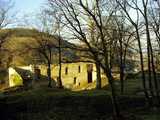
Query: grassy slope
x,y
20,40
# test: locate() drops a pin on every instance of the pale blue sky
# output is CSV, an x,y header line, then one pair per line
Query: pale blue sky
x,y
27,6
25,12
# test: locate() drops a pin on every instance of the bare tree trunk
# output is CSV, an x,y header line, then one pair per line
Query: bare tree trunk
x,y
150,53
116,112
60,65
49,68
149,71
155,76
108,73
121,65
151,62
98,70
49,75
135,24
142,64
122,76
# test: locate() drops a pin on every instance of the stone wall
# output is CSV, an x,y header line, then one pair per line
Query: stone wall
x,y
72,74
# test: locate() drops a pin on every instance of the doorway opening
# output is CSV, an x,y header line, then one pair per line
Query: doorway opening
x,y
89,72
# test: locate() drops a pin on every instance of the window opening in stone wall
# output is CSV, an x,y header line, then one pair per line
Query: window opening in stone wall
x,y
66,70
79,69
74,80
89,72
37,73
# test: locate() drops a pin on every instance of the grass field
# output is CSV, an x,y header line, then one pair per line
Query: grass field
x,y
59,104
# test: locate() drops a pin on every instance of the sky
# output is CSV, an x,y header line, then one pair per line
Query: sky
x,y
27,11
25,6
28,6
24,10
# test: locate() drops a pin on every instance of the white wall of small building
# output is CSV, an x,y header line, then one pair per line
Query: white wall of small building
x,y
14,78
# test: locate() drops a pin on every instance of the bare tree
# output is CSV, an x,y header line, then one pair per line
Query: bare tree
x,y
154,19
72,11
46,41
84,39
143,12
151,64
4,20
58,29
124,34
44,47
5,8
124,5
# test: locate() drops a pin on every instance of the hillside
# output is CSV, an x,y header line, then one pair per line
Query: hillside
x,y
19,48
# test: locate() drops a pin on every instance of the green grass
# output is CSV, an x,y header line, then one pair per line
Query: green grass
x,y
60,104
60,92
147,114
133,84
56,104
151,116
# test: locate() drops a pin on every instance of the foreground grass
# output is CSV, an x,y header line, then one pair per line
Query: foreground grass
x,y
150,116
55,104
59,104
